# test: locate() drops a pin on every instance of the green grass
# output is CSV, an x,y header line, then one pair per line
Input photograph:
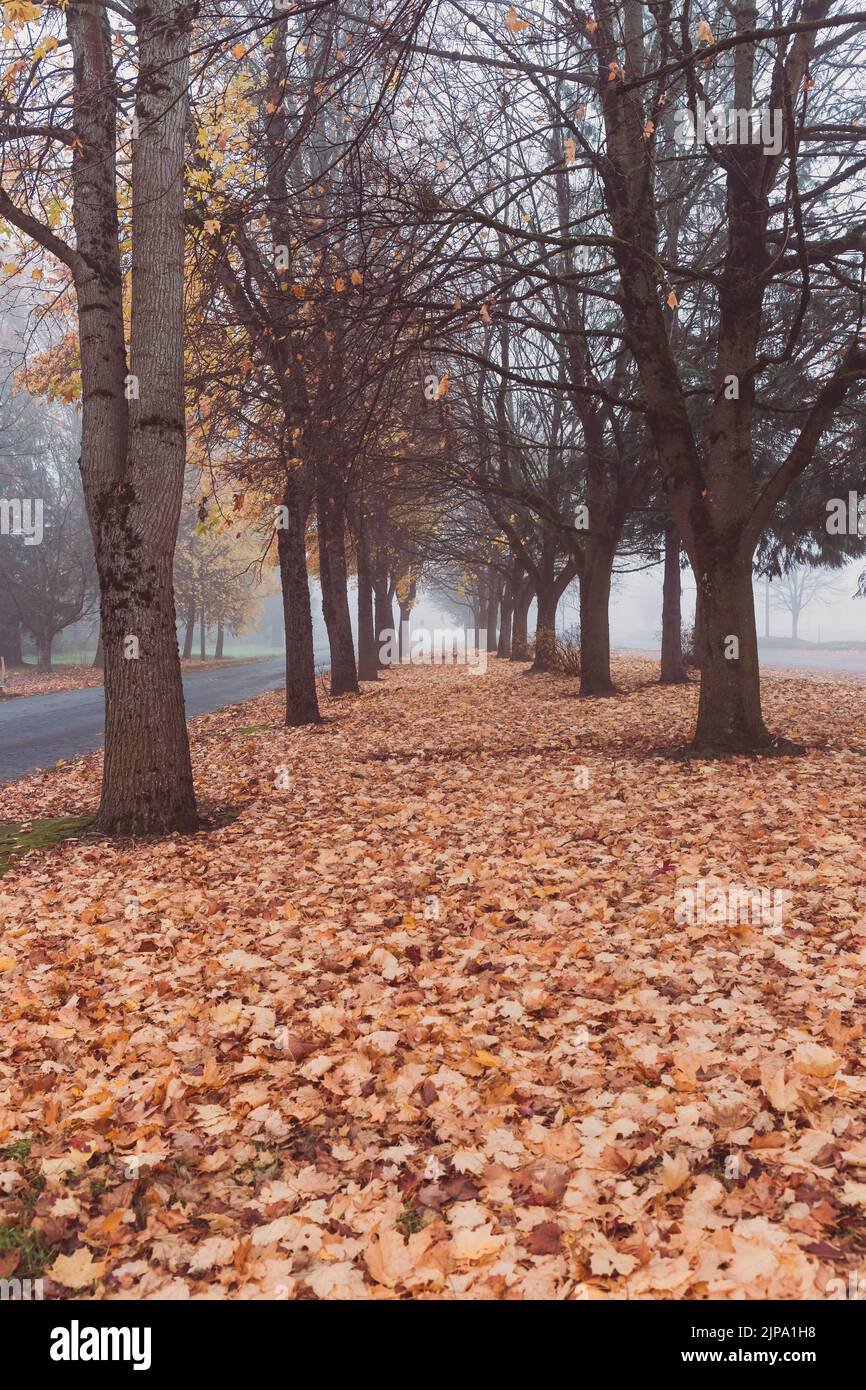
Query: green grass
x,y
15,840
34,1254
18,1236
19,1149
410,1220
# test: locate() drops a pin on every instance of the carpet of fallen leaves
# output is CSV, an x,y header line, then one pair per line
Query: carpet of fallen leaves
x,y
422,1024
32,682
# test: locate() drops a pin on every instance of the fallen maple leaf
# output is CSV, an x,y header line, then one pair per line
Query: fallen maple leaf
x,y
674,1171
77,1270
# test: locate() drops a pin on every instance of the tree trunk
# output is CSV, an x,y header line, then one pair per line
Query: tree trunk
x,y
595,619
201,636
219,640
699,630
673,671
368,650
334,579
405,607
503,648
190,630
384,622
729,712
43,652
795,623
302,705
493,590
519,622
545,626
10,641
133,433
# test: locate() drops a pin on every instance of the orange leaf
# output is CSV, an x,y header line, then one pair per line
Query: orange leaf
x,y
514,23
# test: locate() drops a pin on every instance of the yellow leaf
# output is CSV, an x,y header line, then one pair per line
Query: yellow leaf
x,y
357,278
8,962
570,147
339,284
238,51
705,33
672,301
648,129
485,1059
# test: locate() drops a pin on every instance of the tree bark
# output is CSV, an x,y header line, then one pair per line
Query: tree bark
x,y
201,636
729,712
189,632
673,670
595,619
545,626
132,454
519,624
368,651
302,704
503,647
330,500
493,596
43,652
220,638
699,630
10,641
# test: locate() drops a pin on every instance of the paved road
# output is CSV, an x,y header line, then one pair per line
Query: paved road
x,y
37,730
840,663
844,663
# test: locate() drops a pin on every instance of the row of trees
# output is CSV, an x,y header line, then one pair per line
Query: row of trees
x,y
448,290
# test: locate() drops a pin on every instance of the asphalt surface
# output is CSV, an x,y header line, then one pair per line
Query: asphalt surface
x,y
840,663
39,730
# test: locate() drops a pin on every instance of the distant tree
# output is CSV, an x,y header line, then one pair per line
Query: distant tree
x,y
47,568
214,570
797,588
